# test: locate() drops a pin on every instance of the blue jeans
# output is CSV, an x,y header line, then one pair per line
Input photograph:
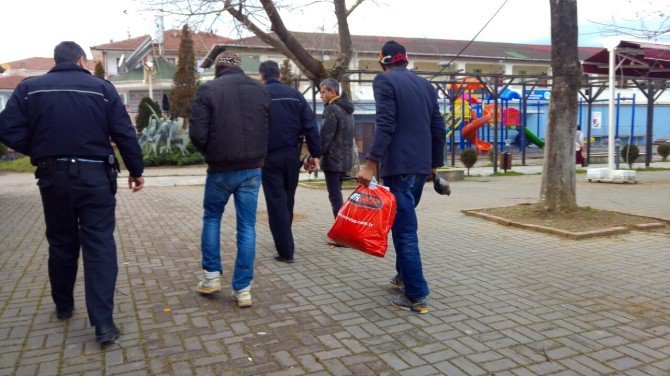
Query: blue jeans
x,y
407,190
243,185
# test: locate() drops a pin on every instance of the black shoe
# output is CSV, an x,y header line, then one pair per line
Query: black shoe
x,y
106,334
284,259
64,313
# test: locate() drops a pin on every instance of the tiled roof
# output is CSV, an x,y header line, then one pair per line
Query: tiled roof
x,y
423,46
32,63
171,38
41,64
10,82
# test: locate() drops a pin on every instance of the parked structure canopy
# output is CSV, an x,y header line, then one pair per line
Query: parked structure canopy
x,y
646,64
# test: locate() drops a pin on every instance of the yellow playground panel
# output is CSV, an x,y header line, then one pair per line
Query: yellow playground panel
x,y
460,108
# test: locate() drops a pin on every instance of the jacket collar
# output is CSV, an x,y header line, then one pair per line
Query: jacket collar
x,y
67,67
230,70
398,68
273,81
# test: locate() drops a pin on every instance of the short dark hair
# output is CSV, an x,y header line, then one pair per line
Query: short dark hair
x,y
332,84
269,69
68,52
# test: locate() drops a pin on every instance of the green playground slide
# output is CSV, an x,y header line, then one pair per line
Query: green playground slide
x,y
532,137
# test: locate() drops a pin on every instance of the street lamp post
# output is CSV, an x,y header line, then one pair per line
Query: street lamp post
x,y
149,70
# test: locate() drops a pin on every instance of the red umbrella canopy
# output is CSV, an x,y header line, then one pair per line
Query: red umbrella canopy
x,y
634,60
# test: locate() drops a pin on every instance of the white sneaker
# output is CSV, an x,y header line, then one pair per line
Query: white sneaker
x,y
243,297
209,285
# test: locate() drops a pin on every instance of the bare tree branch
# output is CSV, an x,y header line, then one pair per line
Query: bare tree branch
x,y
262,16
353,7
346,48
312,67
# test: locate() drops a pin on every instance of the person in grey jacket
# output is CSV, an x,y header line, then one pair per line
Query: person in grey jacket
x,y
337,139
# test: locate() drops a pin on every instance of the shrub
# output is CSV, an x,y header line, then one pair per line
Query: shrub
x,y
99,70
469,158
3,149
629,153
144,113
174,158
664,150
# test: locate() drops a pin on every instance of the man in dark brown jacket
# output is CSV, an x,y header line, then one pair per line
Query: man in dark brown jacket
x,y
337,139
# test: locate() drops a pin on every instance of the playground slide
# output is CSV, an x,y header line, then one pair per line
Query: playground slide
x,y
470,133
533,138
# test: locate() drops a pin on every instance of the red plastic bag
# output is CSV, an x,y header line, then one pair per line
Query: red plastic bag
x,y
365,219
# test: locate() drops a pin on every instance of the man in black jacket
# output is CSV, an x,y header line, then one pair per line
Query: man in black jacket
x,y
229,124
337,139
292,118
63,120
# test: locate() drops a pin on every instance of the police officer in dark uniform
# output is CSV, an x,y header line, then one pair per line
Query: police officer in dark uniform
x,y
64,120
292,118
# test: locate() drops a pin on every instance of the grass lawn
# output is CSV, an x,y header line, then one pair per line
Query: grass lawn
x,y
17,165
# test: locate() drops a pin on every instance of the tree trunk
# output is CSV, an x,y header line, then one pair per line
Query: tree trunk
x,y
558,191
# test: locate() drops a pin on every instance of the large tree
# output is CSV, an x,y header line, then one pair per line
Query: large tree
x,y
185,79
258,16
558,191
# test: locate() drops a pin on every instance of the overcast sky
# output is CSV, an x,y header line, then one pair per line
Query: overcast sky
x,y
31,28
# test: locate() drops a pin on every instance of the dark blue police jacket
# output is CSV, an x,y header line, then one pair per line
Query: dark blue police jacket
x,y
291,117
409,129
69,112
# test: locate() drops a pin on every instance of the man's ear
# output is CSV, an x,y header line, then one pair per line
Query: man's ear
x,y
81,62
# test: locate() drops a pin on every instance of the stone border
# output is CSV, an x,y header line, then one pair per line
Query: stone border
x,y
568,234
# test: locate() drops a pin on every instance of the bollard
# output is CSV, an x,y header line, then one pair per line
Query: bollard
x,y
505,161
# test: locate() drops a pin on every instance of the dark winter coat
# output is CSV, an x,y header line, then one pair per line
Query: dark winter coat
x,y
230,121
409,130
69,112
337,135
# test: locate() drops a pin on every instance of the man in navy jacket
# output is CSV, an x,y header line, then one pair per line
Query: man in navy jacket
x,y
408,143
292,118
64,120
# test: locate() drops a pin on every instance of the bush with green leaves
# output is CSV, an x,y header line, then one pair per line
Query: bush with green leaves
x,y
664,150
144,112
174,157
3,149
629,153
469,158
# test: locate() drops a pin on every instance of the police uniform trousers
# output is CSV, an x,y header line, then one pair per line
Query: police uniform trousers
x,y
280,180
79,213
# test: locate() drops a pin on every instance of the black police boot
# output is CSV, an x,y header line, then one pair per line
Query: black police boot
x,y
106,334
64,313
284,259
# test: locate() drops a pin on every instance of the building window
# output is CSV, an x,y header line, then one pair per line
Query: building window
x,y
120,67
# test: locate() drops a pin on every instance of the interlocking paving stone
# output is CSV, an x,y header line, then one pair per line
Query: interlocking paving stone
x,y
503,301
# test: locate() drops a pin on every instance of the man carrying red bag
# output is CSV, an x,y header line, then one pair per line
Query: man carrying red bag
x,y
409,144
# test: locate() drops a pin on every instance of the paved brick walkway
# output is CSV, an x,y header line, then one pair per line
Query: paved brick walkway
x,y
504,301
